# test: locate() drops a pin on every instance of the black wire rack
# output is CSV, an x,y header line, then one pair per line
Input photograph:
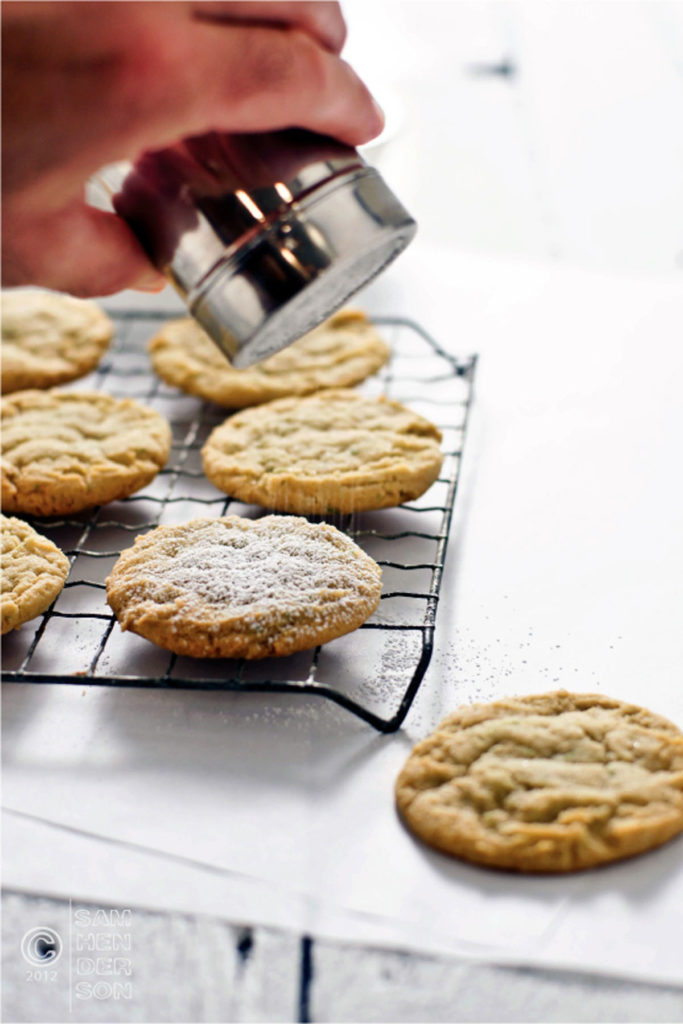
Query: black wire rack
x,y
374,672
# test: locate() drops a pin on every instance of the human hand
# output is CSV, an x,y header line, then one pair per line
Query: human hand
x,y
85,84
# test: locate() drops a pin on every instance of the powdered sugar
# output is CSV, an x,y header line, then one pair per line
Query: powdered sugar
x,y
229,565
255,579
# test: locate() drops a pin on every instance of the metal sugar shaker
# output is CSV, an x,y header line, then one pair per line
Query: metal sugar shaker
x,y
263,235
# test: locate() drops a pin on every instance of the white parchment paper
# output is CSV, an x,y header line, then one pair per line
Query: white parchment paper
x,y
564,569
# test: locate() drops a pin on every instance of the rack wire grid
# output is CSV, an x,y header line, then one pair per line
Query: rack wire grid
x,y
374,672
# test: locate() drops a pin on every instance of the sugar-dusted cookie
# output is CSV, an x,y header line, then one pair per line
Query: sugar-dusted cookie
x,y
243,588
342,351
33,573
335,451
49,338
65,451
554,782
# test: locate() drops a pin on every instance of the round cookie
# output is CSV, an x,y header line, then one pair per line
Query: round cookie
x,y
555,782
243,588
49,338
335,451
65,451
34,571
342,351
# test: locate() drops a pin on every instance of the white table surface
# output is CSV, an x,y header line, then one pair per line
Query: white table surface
x,y
575,157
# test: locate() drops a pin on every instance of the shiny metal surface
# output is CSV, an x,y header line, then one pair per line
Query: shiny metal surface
x,y
262,235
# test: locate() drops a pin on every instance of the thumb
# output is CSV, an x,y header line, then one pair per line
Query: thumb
x,y
77,249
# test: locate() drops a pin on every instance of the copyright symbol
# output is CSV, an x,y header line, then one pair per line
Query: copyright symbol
x,y
41,946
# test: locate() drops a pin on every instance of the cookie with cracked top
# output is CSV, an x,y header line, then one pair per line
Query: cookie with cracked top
x,y
34,571
49,338
242,588
548,783
65,451
335,451
342,351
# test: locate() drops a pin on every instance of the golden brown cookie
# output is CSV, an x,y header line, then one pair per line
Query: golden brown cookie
x,y
335,451
34,571
342,351
49,338
243,588
65,451
554,782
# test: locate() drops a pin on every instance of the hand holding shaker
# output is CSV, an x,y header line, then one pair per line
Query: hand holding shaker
x,y
263,235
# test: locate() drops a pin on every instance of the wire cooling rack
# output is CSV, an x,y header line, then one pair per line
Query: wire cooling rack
x,y
374,672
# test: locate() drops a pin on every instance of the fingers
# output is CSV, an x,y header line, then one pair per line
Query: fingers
x,y
108,81
79,249
113,80
323,21
262,79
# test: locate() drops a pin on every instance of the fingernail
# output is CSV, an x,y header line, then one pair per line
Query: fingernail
x,y
152,282
151,288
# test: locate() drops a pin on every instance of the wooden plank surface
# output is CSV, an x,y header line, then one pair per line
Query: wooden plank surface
x,y
188,968
183,968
